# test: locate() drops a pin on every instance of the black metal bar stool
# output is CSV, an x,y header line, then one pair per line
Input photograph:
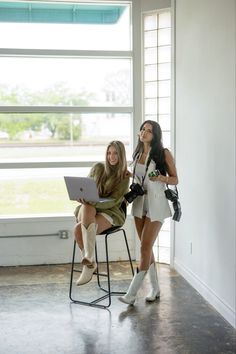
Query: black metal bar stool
x,y
107,233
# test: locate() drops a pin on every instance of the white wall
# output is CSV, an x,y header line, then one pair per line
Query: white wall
x,y
49,248
205,149
149,5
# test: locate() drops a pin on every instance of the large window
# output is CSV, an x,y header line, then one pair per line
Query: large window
x,y
157,93
65,92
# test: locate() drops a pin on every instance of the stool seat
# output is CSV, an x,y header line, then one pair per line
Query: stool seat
x,y
110,230
95,303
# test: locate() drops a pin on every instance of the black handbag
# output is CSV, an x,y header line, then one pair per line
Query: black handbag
x,y
173,196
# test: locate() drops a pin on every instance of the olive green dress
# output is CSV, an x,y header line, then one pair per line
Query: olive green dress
x,y
113,207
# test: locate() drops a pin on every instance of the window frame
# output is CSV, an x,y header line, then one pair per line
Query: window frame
x,y
170,228
90,54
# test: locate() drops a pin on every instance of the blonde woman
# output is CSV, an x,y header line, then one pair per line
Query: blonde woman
x,y
112,179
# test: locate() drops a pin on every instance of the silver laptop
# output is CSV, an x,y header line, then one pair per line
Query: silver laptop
x,y
83,188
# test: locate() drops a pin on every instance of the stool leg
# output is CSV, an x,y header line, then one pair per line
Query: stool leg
x,y
97,271
109,291
72,269
108,271
93,303
127,246
107,274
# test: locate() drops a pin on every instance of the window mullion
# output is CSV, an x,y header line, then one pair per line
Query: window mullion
x,y
65,53
47,164
64,109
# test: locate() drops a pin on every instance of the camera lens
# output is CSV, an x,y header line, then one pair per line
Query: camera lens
x,y
178,212
176,205
136,190
130,196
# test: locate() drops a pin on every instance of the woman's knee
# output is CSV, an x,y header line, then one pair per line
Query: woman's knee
x,y
87,212
88,208
145,249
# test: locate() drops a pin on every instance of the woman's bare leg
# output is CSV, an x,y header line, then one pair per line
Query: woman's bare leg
x,y
150,231
78,235
139,224
90,224
87,215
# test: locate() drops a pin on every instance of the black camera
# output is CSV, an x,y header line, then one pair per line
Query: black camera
x,y
177,211
173,196
136,190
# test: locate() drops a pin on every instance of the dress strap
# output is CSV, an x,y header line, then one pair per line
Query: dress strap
x,y
147,162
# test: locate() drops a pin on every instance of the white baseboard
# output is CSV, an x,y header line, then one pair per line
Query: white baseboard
x,y
209,295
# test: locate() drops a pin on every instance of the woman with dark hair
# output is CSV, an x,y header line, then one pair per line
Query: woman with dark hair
x,y
112,179
150,207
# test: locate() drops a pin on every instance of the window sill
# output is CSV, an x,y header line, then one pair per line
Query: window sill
x,y
35,217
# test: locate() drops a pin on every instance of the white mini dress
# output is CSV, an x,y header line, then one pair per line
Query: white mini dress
x,y
153,204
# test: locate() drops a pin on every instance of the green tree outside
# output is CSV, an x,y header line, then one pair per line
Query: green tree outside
x,y
61,126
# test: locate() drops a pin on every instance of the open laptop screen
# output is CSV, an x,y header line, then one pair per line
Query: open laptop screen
x,y
83,188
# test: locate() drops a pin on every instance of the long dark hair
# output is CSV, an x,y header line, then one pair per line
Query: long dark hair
x,y
157,149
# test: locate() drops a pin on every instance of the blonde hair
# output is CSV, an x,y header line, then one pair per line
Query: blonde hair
x,y
112,175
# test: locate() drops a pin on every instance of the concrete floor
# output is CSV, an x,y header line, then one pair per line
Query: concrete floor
x,y
37,317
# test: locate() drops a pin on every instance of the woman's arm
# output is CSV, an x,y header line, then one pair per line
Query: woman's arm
x,y
172,177
117,196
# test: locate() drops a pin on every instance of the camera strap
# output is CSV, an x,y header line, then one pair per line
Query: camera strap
x,y
146,169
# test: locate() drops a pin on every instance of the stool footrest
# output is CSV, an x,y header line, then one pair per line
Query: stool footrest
x,y
95,273
114,292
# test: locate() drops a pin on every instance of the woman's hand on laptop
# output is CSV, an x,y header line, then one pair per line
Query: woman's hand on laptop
x,y
82,201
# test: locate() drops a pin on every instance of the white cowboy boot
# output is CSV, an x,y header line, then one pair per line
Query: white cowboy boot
x,y
87,274
130,296
89,266
155,290
89,236
82,252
